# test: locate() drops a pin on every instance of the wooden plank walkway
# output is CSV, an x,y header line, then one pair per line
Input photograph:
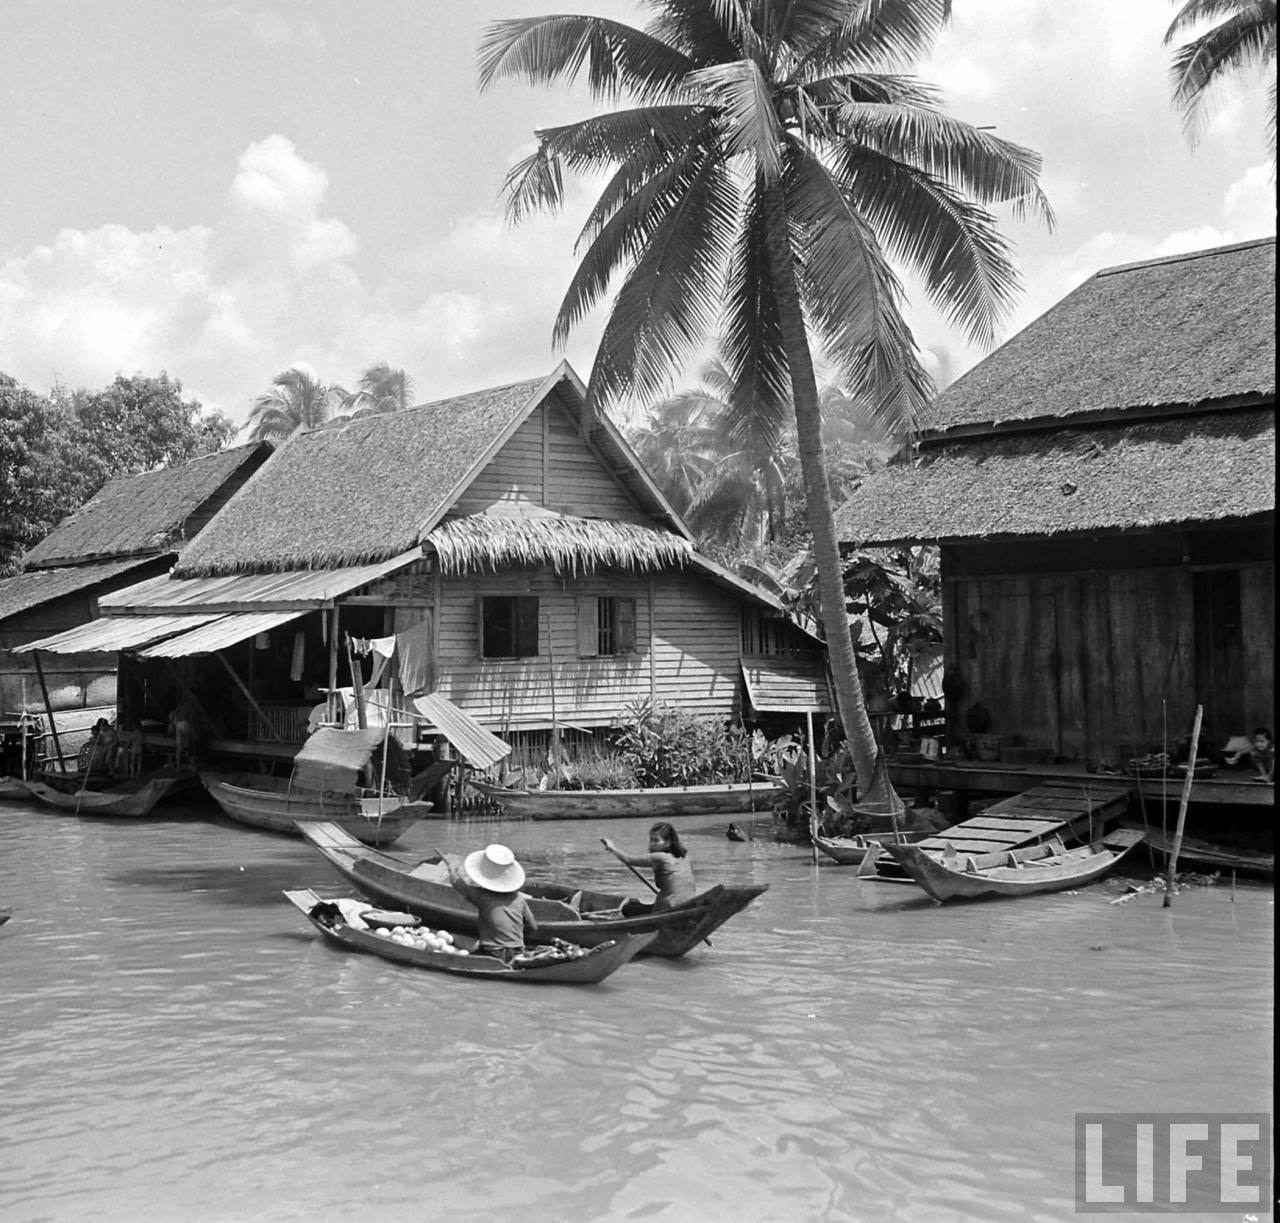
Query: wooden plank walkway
x,y
1062,808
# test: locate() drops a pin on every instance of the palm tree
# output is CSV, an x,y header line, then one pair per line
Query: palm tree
x,y
770,163
383,388
1244,37
297,400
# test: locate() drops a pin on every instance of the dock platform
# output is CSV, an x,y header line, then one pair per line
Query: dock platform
x,y
1069,810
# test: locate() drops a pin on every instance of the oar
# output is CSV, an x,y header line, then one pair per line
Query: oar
x,y
644,880
631,868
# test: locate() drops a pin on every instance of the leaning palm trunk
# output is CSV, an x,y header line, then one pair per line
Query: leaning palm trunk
x,y
850,702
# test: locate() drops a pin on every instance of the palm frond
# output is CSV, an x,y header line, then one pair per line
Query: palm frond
x,y
552,49
669,300
990,169
749,125
1196,12
533,184
878,34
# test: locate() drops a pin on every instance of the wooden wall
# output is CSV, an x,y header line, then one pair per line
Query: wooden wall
x,y
688,635
1091,663
548,464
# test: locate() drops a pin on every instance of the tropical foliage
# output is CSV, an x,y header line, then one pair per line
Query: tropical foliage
x,y
56,451
382,388
1244,37
770,161
664,745
299,399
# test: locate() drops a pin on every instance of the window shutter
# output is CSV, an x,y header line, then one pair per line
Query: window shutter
x,y
588,629
625,626
480,628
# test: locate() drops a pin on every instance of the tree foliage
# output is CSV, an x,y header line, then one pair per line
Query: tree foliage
x,y
56,451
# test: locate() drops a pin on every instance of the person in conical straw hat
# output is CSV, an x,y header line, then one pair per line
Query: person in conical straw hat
x,y
491,878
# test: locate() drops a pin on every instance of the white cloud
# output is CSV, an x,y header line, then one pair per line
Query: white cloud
x,y
269,27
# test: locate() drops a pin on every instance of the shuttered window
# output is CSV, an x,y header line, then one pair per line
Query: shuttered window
x,y
508,626
606,626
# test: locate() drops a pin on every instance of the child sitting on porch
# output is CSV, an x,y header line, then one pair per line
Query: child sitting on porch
x,y
1261,753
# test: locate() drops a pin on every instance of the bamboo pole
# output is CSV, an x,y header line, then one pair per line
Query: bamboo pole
x,y
357,685
1182,807
48,708
813,787
248,696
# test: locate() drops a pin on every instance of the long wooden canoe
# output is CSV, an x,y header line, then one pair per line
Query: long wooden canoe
x,y
852,851
657,803
270,802
1195,852
1049,867
134,798
562,911
583,966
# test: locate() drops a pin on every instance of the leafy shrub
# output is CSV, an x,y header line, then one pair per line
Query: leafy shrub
x,y
665,746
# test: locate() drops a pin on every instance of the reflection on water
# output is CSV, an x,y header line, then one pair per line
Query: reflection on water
x,y
177,1042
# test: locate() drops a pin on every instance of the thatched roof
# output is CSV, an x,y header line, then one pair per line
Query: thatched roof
x,y
570,545
1183,330
144,514
39,586
379,485
1197,468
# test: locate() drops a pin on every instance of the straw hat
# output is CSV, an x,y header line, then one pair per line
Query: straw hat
x,y
494,867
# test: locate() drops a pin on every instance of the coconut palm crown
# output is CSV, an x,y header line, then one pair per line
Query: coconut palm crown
x,y
768,159
297,399
1244,37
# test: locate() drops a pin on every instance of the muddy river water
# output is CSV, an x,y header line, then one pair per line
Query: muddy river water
x,y
176,1042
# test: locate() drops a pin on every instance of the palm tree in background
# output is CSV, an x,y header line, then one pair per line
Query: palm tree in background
x,y
774,156
297,400
382,388
1244,37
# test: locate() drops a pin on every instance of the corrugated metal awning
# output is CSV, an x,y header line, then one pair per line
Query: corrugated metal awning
x,y
114,633
787,685
480,747
218,634
296,591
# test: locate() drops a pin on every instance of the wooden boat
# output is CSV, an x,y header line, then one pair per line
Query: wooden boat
x,y
729,798
580,966
1048,867
853,851
573,914
13,788
272,803
1198,853
133,798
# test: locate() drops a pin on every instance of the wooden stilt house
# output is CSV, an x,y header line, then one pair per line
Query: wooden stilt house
x,y
504,550
1102,488
133,528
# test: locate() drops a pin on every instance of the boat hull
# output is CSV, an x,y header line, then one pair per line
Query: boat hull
x,y
267,802
422,890
601,961
659,803
1028,872
123,799
852,851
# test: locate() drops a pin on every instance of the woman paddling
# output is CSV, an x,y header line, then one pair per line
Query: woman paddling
x,y
669,861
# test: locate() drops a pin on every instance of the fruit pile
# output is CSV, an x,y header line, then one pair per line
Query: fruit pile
x,y
422,938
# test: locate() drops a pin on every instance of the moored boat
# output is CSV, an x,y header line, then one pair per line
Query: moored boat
x,y
562,911
1206,854
356,928
853,851
273,804
1033,870
132,798
662,802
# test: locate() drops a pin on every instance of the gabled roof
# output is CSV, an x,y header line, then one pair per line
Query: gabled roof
x,y
144,514
1180,331
1209,467
377,485
36,587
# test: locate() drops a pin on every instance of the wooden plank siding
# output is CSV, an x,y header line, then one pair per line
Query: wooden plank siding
x,y
548,465
1091,664
687,649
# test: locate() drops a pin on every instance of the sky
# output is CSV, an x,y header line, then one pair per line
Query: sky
x,y
223,190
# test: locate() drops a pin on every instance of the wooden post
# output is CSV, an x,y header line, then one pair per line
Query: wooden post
x,y
331,705
248,696
1182,807
357,685
48,708
813,787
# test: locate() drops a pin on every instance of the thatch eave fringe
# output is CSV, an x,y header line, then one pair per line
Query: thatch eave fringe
x,y
573,547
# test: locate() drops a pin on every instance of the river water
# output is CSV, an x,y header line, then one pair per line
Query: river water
x,y
176,1042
